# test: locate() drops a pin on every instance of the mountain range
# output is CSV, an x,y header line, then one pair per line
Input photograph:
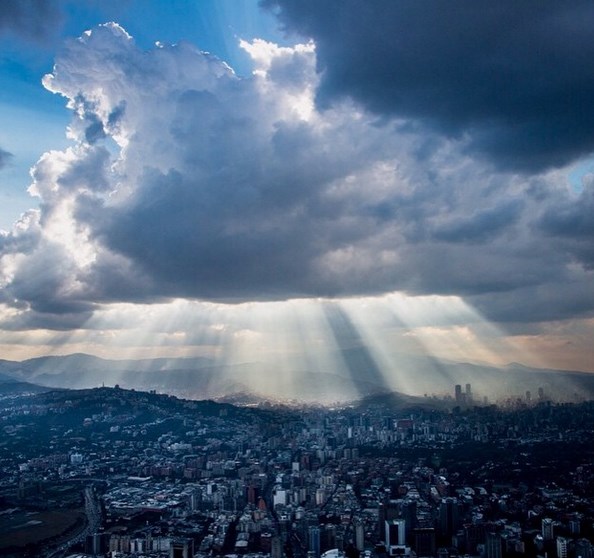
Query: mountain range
x,y
203,378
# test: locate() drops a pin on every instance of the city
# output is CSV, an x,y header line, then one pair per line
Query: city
x,y
296,279
127,473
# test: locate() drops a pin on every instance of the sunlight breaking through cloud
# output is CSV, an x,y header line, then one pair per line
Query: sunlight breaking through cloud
x,y
320,349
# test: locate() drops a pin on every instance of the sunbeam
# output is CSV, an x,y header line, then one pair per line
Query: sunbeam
x,y
308,349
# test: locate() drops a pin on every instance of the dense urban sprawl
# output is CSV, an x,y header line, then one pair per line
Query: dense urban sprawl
x,y
122,473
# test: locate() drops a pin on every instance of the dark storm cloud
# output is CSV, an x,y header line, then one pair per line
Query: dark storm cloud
x,y
572,221
59,321
561,298
517,78
220,188
480,227
30,19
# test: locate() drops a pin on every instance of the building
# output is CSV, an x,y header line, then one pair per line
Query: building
x,y
276,547
97,544
360,536
423,541
547,527
409,514
583,549
395,533
313,540
493,548
448,516
181,548
562,547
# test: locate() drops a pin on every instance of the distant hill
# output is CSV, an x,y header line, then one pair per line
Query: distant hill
x,y
69,363
361,378
5,377
14,387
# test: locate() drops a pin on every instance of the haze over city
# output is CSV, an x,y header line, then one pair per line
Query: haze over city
x,y
287,183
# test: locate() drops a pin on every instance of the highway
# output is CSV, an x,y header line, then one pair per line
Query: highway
x,y
93,514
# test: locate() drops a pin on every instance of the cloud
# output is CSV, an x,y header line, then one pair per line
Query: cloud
x,y
186,181
33,20
572,220
515,78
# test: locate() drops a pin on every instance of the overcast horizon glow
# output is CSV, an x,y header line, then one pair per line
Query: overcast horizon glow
x,y
317,204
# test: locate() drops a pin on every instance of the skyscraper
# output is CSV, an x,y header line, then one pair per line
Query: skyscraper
x,y
561,547
276,548
181,548
493,546
313,539
409,513
547,529
448,516
424,541
395,533
360,535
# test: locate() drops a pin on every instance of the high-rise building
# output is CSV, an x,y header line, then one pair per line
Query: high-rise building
x,y
448,516
583,548
382,516
493,547
181,548
252,494
575,525
328,537
276,548
395,533
97,544
279,497
409,514
119,543
360,536
468,393
547,527
458,394
423,541
313,539
561,547
474,534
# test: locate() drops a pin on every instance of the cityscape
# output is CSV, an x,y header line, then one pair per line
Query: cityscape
x,y
296,279
125,473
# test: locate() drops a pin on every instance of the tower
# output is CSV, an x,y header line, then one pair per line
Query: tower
x,y
313,539
493,546
182,548
395,533
360,536
276,547
424,541
409,513
547,529
448,516
561,547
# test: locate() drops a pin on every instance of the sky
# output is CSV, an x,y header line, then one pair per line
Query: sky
x,y
277,181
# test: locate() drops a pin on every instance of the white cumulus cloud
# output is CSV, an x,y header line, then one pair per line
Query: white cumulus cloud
x,y
186,181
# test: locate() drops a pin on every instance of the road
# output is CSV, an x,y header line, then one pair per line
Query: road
x,y
93,513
